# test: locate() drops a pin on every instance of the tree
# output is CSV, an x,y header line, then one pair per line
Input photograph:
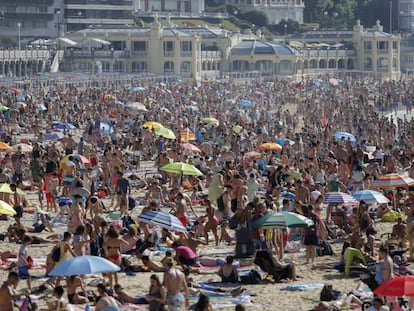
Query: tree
x,y
257,18
291,27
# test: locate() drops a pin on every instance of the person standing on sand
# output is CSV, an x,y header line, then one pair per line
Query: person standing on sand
x,y
174,282
23,262
19,202
8,293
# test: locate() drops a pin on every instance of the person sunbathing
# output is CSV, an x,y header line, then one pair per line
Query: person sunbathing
x,y
123,297
149,265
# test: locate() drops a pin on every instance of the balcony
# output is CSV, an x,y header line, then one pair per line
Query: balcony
x,y
211,55
165,14
97,54
10,55
139,53
168,53
382,51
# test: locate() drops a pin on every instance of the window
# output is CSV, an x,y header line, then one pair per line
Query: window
x,y
285,67
382,64
139,67
186,46
168,46
185,68
368,64
169,68
394,45
140,46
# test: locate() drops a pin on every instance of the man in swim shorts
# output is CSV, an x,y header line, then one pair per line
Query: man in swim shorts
x,y
174,281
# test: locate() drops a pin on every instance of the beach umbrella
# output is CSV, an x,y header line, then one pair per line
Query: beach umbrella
x,y
283,141
187,135
21,99
15,91
5,188
246,103
6,209
282,220
190,147
65,126
165,132
181,168
230,101
253,154
288,195
136,89
345,135
82,265
209,120
371,196
162,219
4,146
270,146
340,198
397,287
192,108
76,157
237,129
41,107
53,136
393,181
136,106
23,147
152,125
3,108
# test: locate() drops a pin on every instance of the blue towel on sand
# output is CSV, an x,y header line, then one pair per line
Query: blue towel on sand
x,y
302,287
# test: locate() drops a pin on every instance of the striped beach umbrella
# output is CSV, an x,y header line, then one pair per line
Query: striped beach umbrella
x,y
371,196
393,181
340,198
282,220
162,219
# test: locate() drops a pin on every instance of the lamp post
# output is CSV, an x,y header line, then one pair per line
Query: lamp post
x,y
285,31
58,23
19,25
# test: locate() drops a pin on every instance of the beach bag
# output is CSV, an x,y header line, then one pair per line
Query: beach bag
x,y
56,253
324,249
253,277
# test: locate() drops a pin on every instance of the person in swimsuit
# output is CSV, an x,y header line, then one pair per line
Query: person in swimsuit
x,y
72,283
227,272
156,295
112,246
212,222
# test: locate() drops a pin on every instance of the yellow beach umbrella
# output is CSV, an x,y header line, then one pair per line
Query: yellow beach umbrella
x,y
6,209
152,125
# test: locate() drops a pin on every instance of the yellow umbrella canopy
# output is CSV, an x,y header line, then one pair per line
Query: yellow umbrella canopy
x,y
152,125
5,188
6,209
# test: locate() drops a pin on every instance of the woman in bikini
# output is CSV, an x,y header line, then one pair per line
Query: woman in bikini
x,y
112,246
212,222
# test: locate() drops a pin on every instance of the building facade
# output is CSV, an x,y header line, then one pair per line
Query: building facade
x,y
200,52
405,10
173,7
81,14
276,10
32,19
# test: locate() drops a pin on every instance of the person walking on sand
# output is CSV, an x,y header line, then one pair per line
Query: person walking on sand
x,y
174,282
19,202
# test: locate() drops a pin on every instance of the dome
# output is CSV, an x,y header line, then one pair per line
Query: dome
x,y
262,47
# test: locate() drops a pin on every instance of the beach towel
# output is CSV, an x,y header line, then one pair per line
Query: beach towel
x,y
215,285
302,287
350,255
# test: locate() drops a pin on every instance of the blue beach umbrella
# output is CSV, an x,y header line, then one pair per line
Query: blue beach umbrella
x,y
246,103
283,141
162,219
346,136
66,126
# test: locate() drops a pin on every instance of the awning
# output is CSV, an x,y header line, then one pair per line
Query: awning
x,y
66,41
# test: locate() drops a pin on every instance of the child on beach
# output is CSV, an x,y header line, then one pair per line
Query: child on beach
x,y
23,263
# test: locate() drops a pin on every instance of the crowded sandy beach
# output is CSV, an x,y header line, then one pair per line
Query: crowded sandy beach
x,y
161,194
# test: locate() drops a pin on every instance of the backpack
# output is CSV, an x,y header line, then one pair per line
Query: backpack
x,y
253,277
324,249
56,253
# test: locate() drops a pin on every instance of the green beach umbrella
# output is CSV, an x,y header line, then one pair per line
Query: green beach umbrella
x,y
165,132
209,120
181,168
282,220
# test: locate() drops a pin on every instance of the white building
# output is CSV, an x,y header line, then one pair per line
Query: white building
x,y
276,10
195,7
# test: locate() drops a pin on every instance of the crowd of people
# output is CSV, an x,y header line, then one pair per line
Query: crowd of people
x,y
261,147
